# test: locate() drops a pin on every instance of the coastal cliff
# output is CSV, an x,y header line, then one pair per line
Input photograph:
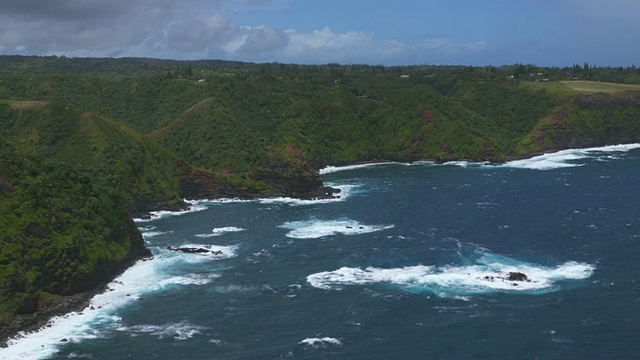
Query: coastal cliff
x,y
62,236
83,153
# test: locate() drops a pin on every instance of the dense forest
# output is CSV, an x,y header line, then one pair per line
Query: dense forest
x,y
85,144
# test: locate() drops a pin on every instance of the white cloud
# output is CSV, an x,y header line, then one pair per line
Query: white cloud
x,y
196,29
263,39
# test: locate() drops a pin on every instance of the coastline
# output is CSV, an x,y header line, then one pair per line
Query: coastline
x,y
61,305
58,306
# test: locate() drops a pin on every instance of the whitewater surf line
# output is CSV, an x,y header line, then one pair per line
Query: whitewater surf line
x,y
220,231
313,229
546,161
144,277
489,274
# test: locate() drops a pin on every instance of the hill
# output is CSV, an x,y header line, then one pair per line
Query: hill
x,y
60,233
85,144
146,175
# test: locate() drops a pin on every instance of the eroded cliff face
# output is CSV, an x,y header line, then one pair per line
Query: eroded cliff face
x,y
586,121
61,235
287,170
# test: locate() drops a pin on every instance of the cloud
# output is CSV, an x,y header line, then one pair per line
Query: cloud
x,y
196,29
196,35
264,39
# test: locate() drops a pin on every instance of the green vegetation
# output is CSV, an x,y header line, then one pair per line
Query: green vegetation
x,y
597,86
109,152
87,143
60,233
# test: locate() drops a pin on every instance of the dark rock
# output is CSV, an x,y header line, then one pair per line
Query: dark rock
x,y
289,173
29,304
194,250
517,276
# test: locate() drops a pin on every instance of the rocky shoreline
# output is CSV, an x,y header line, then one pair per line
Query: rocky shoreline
x,y
58,306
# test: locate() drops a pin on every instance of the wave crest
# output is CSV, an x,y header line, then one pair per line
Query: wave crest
x,y
489,274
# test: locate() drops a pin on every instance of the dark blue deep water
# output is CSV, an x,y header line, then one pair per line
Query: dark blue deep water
x,y
412,262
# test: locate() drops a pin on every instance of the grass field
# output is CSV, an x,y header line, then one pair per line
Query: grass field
x,y
580,87
18,104
595,86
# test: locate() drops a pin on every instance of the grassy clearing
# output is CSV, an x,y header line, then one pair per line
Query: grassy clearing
x,y
596,86
552,87
575,87
19,104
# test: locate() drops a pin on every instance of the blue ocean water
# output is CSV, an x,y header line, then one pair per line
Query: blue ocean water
x,y
411,262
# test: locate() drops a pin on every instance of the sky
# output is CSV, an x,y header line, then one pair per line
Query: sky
x,y
375,32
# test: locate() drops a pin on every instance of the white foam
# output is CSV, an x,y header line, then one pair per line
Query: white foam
x,y
191,279
227,229
216,252
76,326
345,192
559,159
563,158
144,277
461,163
488,275
332,169
313,229
221,231
207,202
321,342
149,234
194,206
178,331
206,235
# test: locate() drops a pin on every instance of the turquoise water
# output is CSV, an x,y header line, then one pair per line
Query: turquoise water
x,y
411,262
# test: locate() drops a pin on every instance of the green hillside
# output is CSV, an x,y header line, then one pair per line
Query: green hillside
x,y
85,144
60,233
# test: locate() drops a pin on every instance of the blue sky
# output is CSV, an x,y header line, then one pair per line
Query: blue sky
x,y
400,32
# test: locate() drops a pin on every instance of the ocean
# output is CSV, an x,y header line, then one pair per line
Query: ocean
x,y
533,259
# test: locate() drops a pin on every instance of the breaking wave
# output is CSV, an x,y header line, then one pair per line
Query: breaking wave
x,y
194,206
345,192
332,169
555,160
145,277
487,274
220,231
320,342
568,158
178,331
313,229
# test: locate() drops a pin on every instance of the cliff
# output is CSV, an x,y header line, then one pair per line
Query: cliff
x,y
587,121
83,152
62,234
